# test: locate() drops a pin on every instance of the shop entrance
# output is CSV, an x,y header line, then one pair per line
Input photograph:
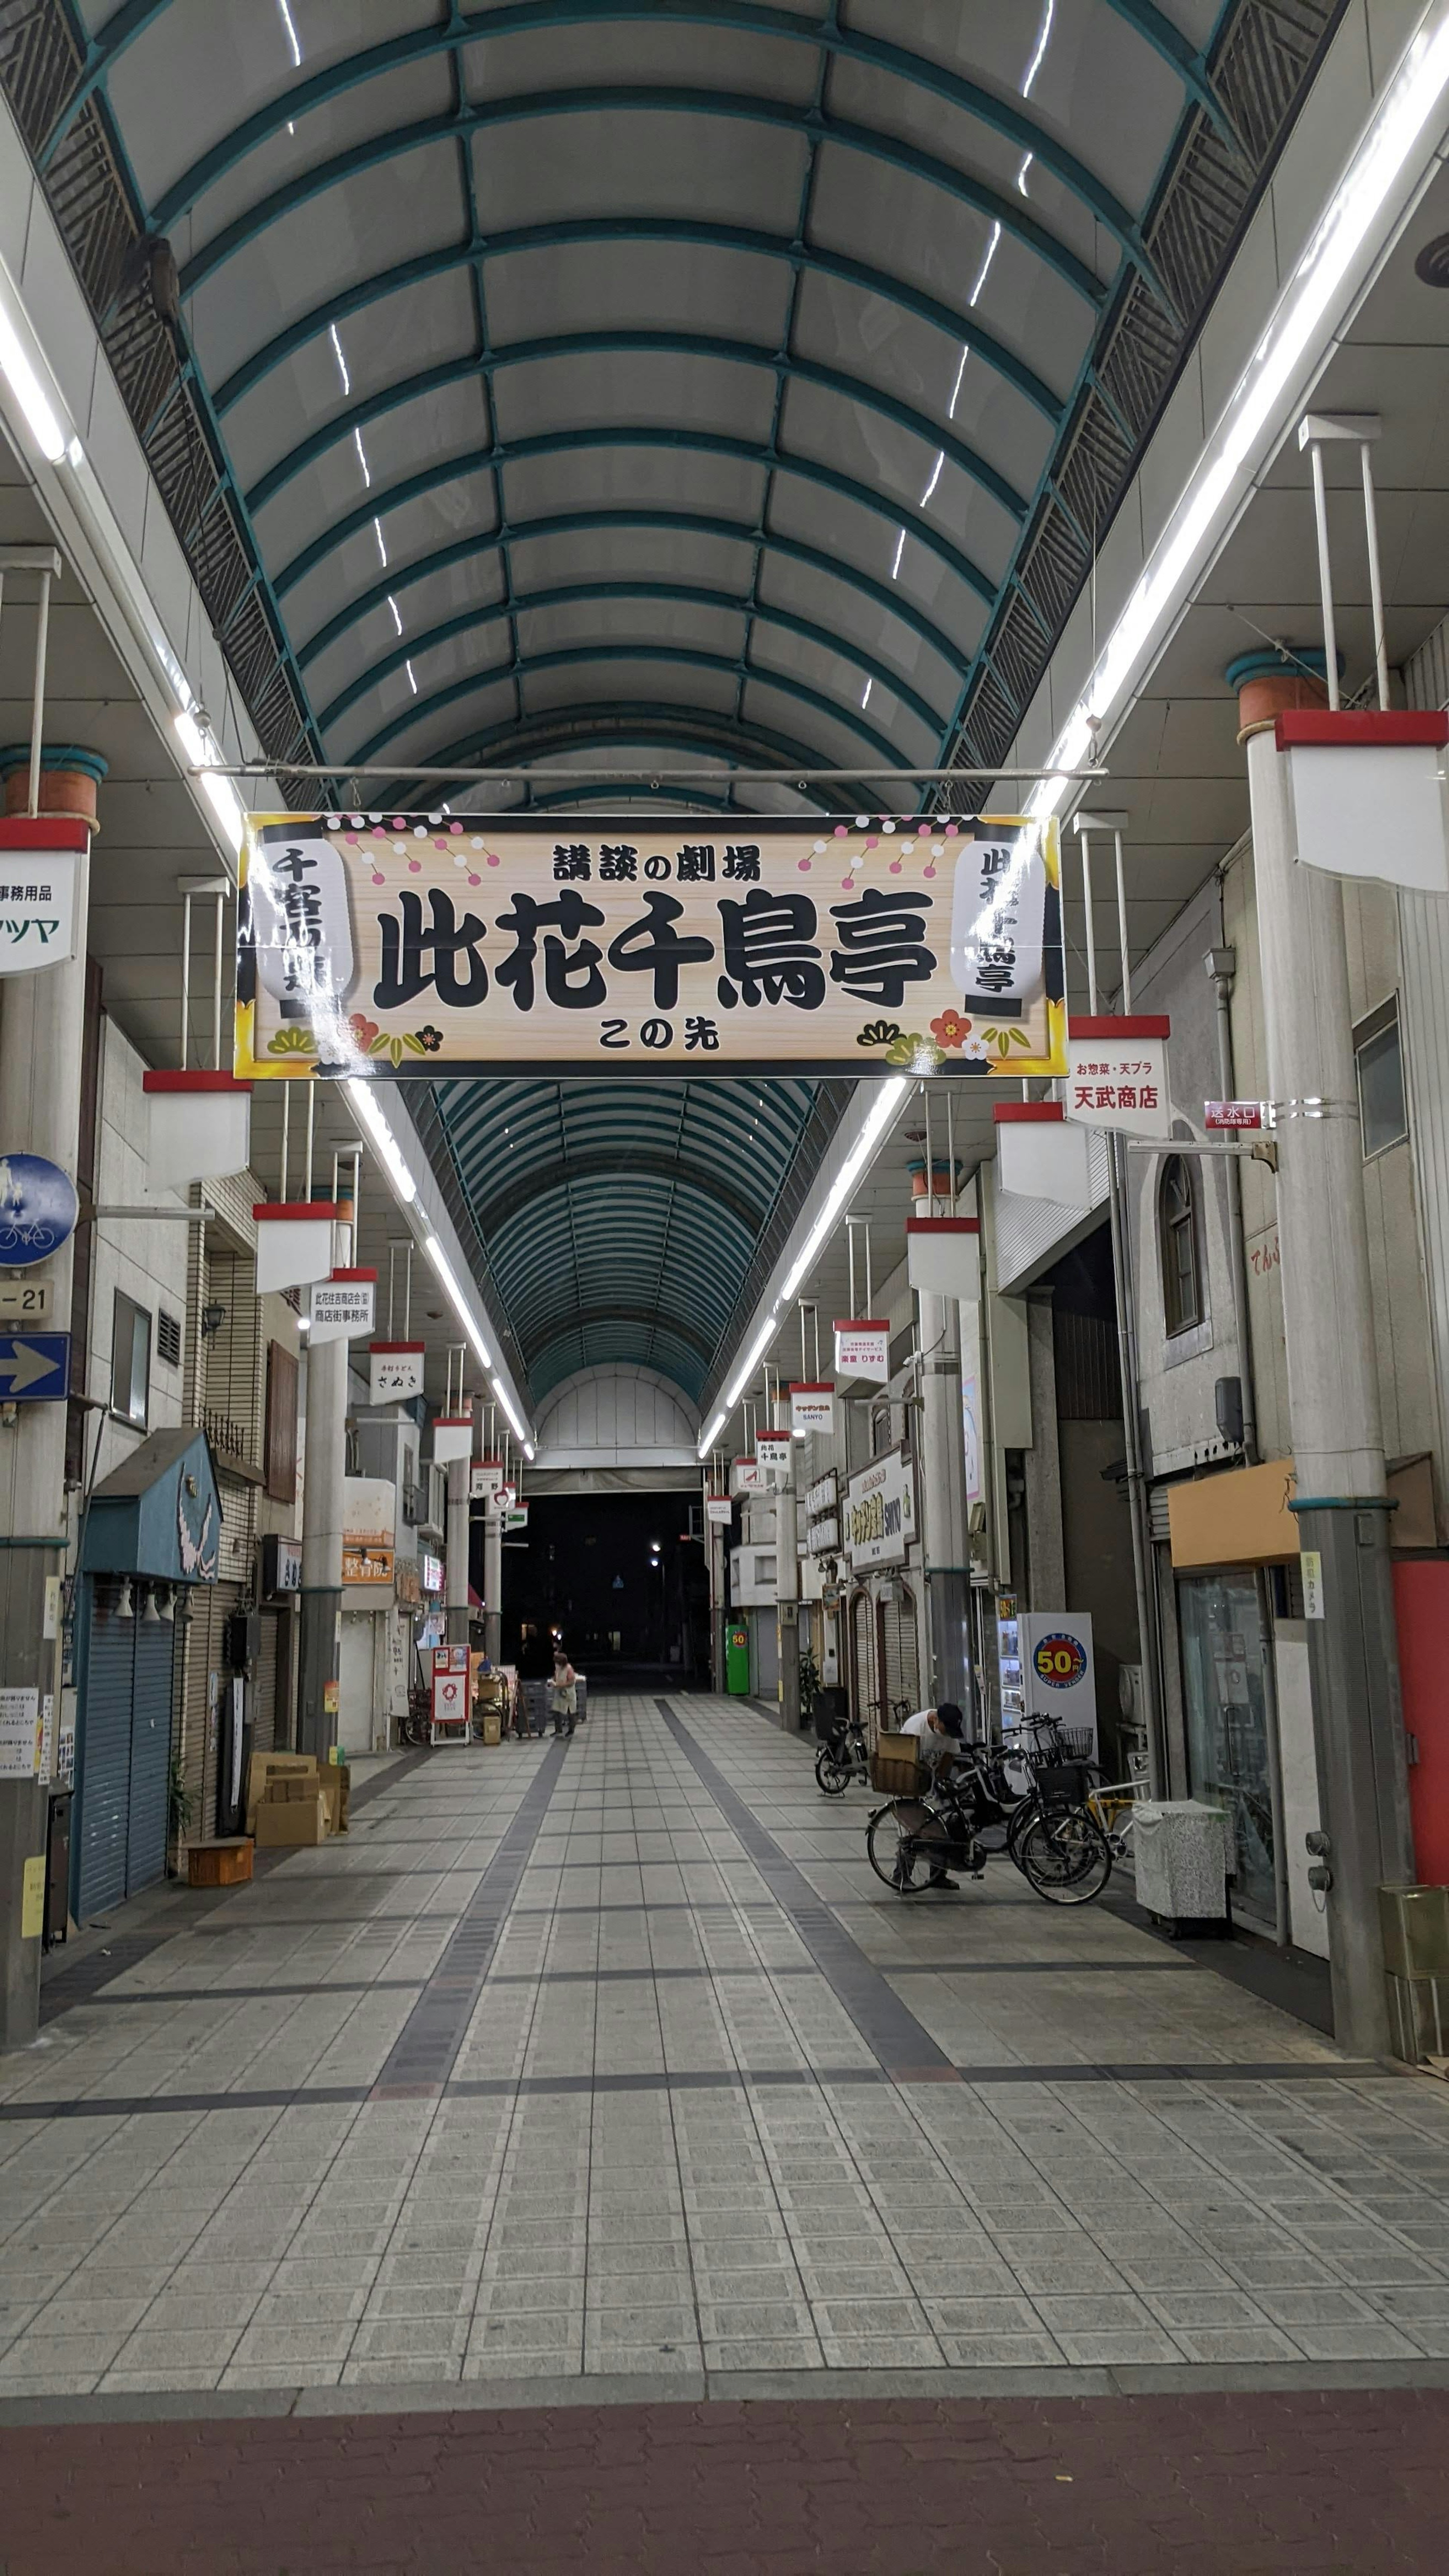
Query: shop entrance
x,y
1225,1694
623,1577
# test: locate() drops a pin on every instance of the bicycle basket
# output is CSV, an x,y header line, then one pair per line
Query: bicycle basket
x,y
1064,1784
894,1768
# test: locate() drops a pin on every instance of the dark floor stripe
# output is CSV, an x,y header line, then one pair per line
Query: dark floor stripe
x,y
113,2106
256,1994
889,2028
430,2038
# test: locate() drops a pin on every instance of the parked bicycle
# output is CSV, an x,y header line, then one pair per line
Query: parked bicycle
x,y
972,1809
842,1757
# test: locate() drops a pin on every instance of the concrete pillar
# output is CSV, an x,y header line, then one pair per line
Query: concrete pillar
x,y
493,1581
322,1522
787,1584
1333,1398
714,1539
1042,1465
42,1028
945,1534
456,1576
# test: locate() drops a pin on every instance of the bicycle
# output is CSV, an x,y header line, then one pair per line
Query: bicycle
x,y
842,1757
969,1812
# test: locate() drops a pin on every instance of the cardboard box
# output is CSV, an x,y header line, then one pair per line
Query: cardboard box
x,y
299,1821
492,1726
266,1767
334,1782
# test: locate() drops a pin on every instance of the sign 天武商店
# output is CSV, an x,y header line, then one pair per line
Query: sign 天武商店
x,y
1117,1076
418,945
880,1511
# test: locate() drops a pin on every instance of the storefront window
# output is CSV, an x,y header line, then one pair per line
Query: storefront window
x,y
1227,1723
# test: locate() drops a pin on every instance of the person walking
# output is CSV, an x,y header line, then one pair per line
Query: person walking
x,y
563,1698
535,1674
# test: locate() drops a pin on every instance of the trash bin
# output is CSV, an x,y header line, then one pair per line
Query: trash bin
x,y
1180,1856
1415,1926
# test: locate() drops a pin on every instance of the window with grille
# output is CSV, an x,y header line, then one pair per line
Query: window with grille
x,y
1179,1246
168,1338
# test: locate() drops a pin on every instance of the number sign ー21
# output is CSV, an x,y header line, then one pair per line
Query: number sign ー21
x,y
404,945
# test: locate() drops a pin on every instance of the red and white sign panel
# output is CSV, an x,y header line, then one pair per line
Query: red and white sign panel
x,y
719,1511
343,1306
486,1480
452,1437
1232,1113
394,1371
747,1476
1038,1156
863,1349
812,1405
1368,793
1117,1076
772,1450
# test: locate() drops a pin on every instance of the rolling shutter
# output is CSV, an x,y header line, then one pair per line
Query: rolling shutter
x,y
264,1692
862,1663
901,1654
150,1754
105,1763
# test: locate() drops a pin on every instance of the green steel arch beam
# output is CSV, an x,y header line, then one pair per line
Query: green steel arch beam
x,y
521,602
343,426
507,748
572,523
425,265
1011,213
746,17
617,1164
555,1328
570,657
572,442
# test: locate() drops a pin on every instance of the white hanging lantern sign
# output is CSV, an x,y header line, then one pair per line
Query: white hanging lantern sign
x,y
1369,793
942,1257
998,921
1038,1156
301,930
1117,1075
343,1306
200,1127
294,1242
452,1437
863,1348
395,1371
772,1452
812,1406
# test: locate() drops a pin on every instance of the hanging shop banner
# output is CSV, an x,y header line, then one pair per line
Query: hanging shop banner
x,y
1038,1156
1368,793
343,1306
1117,1076
485,1480
412,945
719,1511
812,1405
37,901
943,1256
880,1511
395,1371
747,1476
516,1517
772,1452
452,1437
863,1349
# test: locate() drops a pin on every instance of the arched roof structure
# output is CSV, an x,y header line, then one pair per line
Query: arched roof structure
x,y
749,378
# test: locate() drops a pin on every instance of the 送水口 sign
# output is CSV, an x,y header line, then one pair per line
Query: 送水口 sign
x,y
417,945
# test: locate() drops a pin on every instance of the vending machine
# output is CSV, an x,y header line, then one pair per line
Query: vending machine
x,y
1057,1674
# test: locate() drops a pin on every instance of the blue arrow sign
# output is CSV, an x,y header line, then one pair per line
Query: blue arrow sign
x,y
34,1367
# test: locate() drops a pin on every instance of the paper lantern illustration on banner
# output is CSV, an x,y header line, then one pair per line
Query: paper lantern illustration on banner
x,y
301,922
998,922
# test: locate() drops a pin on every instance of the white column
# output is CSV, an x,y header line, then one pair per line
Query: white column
x,y
1332,1388
322,1525
456,1595
787,1583
493,1580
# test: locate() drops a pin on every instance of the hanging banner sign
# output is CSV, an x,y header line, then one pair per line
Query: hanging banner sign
x,y
1368,793
410,945
1117,1076
395,1371
880,1511
452,1437
37,900
863,1349
485,1481
1038,1156
719,1511
343,1306
943,1256
812,1405
772,1451
747,1476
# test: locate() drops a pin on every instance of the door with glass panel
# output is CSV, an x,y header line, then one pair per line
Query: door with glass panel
x,y
1228,1714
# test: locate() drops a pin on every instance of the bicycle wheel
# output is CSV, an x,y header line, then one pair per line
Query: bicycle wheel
x,y
1019,1825
1065,1857
901,1843
833,1770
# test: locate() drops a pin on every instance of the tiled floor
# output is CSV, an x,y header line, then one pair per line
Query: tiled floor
x,y
616,2059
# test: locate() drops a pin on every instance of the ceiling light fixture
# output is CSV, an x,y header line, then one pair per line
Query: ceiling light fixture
x,y
460,1305
41,417
385,1145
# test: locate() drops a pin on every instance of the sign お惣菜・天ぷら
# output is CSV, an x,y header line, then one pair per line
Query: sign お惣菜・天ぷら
x,y
407,944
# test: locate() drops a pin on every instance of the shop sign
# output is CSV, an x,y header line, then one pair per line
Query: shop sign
x,y
1039,1155
823,1493
863,1349
452,1437
486,1480
430,1572
1117,1076
812,1405
405,1582
37,909
516,1517
747,1476
880,1511
394,1371
1233,1114
772,1451
38,1210
281,1566
343,1306
22,1735
719,1510
366,1561
414,945
823,1536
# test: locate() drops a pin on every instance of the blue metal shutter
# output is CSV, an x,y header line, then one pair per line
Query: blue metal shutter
x,y
150,1754
105,1763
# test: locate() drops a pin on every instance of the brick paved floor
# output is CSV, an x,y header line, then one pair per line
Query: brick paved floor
x,y
617,2060
1323,2485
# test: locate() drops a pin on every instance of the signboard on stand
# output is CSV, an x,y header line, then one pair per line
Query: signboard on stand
x,y
863,1348
457,943
1117,1076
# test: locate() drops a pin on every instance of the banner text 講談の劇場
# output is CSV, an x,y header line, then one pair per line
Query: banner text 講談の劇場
x,y
419,945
